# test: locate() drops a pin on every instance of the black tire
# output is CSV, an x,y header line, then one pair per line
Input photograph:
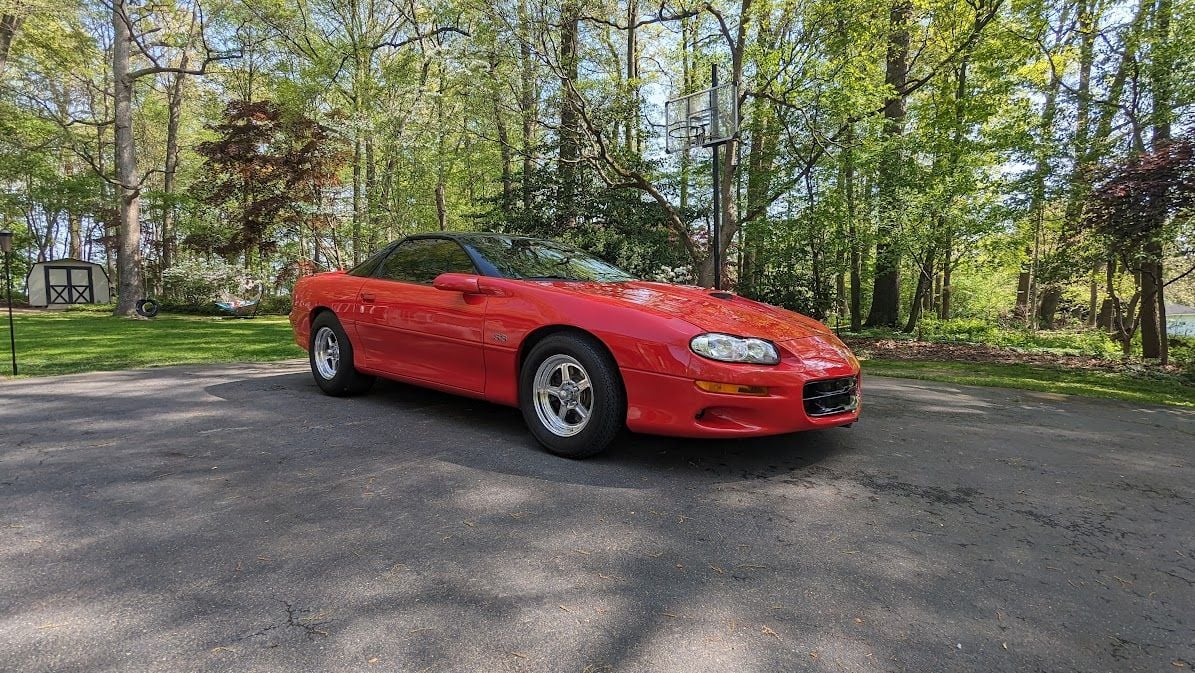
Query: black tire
x,y
345,379
147,308
607,398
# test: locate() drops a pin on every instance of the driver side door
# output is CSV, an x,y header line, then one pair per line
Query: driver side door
x,y
411,330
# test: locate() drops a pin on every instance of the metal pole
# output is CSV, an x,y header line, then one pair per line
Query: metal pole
x,y
12,335
716,244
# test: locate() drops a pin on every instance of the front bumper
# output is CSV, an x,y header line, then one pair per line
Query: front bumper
x,y
666,404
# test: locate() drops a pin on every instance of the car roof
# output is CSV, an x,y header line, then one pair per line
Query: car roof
x,y
469,235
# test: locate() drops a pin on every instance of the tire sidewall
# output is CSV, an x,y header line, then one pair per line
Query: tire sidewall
x,y
339,384
609,410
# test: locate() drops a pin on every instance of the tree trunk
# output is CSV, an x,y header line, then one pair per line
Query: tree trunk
x,y
9,24
1161,74
1037,206
358,197
174,102
528,107
503,140
885,298
128,254
1023,280
925,281
1048,306
1104,319
569,150
852,230
372,194
441,208
947,270
1151,287
74,234
632,121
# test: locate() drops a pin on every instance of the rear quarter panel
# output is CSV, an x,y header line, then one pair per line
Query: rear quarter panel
x,y
336,291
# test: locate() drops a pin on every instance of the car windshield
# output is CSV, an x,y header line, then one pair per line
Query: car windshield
x,y
534,259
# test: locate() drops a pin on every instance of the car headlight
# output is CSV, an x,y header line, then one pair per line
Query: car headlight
x,y
727,348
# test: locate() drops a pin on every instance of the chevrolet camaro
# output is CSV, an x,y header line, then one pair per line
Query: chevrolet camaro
x,y
583,349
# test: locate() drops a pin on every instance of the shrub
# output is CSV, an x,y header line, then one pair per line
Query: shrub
x,y
276,305
198,282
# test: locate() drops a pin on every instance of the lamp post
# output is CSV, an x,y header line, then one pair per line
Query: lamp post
x,y
6,246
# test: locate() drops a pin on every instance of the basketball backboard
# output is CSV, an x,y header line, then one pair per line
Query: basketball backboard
x,y
702,119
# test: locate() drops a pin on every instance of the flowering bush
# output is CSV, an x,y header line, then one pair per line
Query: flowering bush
x,y
198,282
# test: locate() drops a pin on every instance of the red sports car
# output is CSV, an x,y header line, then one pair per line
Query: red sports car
x,y
581,347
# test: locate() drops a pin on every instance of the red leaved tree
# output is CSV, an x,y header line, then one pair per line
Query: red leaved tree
x,y
1138,209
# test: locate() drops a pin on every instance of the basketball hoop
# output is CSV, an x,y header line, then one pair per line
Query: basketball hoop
x,y
706,118
702,119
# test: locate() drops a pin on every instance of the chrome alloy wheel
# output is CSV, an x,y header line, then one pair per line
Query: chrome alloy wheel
x,y
563,395
327,353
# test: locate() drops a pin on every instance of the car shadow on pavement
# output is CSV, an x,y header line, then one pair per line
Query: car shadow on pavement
x,y
485,436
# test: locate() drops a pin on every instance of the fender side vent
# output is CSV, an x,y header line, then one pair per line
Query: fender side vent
x,y
831,396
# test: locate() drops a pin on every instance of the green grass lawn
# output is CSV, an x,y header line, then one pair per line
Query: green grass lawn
x,y
1109,385
65,342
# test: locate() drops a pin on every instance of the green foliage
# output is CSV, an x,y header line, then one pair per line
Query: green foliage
x,y
1077,342
1140,388
1088,342
617,225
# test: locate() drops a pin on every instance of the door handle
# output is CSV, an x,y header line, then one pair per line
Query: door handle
x,y
367,297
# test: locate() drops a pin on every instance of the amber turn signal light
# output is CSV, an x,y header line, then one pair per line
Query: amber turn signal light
x,y
731,388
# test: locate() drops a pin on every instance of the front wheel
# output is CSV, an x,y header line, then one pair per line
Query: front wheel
x,y
571,395
331,357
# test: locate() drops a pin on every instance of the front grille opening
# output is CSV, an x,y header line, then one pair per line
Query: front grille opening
x,y
833,396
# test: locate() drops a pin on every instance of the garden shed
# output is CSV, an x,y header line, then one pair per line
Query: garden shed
x,y
67,281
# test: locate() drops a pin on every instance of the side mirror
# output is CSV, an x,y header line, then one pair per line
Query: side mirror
x,y
465,283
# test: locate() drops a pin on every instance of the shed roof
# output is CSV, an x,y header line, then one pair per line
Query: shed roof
x,y
1179,309
65,261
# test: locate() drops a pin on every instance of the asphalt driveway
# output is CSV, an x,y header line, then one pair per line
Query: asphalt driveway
x,y
231,518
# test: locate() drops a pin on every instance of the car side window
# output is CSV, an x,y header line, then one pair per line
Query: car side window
x,y
371,264
420,260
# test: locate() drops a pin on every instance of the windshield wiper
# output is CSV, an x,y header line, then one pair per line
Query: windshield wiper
x,y
549,277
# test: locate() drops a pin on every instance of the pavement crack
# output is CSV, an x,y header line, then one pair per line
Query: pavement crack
x,y
310,625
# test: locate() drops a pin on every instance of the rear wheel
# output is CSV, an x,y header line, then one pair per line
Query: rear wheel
x,y
571,395
331,357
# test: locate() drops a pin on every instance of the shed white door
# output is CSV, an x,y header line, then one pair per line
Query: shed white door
x,y
69,285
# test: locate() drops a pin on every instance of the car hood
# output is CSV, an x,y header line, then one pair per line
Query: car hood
x,y
727,313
